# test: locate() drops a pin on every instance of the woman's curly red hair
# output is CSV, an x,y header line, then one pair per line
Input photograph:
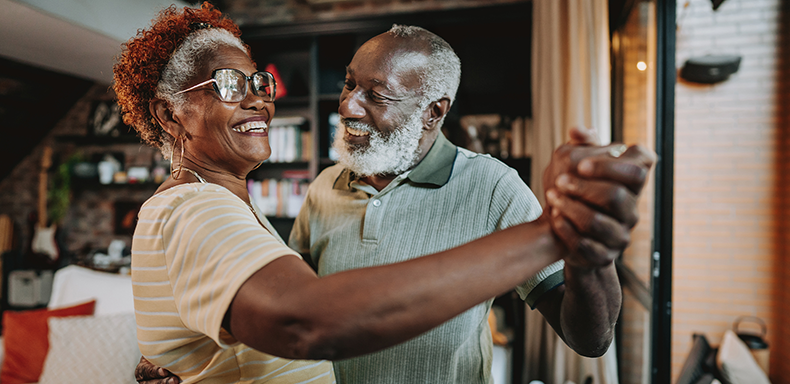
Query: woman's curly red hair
x,y
144,57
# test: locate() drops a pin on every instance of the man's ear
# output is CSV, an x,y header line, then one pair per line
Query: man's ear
x,y
436,112
161,112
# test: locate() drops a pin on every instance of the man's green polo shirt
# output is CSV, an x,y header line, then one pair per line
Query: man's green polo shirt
x,y
451,197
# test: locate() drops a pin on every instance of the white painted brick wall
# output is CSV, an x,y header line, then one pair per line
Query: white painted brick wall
x,y
725,173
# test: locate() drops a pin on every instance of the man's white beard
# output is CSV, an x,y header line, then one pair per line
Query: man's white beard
x,y
392,155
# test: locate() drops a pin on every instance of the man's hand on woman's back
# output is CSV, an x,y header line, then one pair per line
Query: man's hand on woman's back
x,y
148,373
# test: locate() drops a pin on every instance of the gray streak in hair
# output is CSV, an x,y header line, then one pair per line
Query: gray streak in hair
x,y
183,66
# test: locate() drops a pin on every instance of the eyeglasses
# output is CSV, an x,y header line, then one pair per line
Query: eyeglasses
x,y
231,85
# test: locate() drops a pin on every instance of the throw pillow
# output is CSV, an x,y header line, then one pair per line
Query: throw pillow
x,y
736,363
92,349
25,335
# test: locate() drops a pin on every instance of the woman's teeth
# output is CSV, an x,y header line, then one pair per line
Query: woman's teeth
x,y
254,126
355,132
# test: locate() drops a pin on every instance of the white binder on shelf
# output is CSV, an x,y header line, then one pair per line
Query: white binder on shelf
x,y
28,288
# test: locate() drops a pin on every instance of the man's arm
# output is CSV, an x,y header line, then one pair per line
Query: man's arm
x,y
285,310
591,209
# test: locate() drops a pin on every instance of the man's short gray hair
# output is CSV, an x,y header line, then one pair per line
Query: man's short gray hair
x,y
183,66
443,74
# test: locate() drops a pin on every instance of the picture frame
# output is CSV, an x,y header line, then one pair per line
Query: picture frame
x,y
105,120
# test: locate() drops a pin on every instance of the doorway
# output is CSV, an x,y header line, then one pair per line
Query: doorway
x,y
643,79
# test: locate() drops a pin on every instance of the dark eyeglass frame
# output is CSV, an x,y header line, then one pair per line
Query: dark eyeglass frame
x,y
247,79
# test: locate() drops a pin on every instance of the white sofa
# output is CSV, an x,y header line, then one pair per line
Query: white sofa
x,y
101,348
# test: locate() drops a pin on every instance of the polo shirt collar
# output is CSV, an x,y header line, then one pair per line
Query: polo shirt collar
x,y
435,168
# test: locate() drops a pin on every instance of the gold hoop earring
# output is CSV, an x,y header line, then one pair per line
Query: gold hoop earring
x,y
176,173
258,166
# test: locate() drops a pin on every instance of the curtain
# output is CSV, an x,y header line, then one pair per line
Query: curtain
x,y
571,87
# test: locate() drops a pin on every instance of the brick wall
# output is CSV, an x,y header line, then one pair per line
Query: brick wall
x,y
89,222
731,180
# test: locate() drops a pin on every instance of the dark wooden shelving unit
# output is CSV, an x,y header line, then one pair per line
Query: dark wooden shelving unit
x,y
290,101
84,140
88,184
329,97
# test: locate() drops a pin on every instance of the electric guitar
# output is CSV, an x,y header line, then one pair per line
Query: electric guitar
x,y
44,236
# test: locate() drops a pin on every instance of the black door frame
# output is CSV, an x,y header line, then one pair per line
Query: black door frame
x,y
665,149
657,296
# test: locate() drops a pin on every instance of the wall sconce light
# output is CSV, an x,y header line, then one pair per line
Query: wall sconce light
x,y
710,69
641,65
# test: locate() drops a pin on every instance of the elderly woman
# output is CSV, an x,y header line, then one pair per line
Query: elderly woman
x,y
218,297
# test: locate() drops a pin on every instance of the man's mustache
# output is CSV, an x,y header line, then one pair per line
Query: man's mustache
x,y
356,124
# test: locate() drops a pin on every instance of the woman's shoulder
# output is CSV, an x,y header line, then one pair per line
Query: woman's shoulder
x,y
190,192
186,198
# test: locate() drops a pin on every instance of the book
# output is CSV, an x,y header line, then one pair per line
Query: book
x,y
279,197
287,140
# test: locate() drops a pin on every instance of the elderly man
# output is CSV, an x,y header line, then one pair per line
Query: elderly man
x,y
401,190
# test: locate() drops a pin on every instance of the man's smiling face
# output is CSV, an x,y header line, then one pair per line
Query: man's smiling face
x,y
381,108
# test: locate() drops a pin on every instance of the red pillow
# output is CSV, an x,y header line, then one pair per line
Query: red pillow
x,y
26,338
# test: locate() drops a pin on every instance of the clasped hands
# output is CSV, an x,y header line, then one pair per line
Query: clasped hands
x,y
591,197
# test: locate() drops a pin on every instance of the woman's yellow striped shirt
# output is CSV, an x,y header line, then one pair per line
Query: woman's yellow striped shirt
x,y
193,248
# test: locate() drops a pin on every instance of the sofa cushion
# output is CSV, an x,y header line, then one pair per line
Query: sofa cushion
x,y
25,339
74,284
92,349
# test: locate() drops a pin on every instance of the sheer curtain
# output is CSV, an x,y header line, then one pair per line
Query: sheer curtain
x,y
571,87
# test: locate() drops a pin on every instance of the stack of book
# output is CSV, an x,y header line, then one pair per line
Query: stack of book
x,y
499,136
288,141
278,198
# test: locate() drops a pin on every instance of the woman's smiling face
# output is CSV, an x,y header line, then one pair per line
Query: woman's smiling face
x,y
225,136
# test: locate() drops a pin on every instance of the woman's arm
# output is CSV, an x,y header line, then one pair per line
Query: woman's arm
x,y
284,309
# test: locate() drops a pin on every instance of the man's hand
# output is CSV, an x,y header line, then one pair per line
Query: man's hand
x,y
594,209
151,374
566,158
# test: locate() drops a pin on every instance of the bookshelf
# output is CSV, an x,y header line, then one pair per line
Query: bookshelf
x,y
493,43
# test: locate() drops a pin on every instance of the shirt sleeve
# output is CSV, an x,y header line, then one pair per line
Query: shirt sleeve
x,y
213,244
514,203
299,240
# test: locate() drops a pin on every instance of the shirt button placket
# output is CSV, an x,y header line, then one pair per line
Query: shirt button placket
x,y
373,218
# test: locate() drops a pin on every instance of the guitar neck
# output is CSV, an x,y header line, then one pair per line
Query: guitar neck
x,y
46,162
